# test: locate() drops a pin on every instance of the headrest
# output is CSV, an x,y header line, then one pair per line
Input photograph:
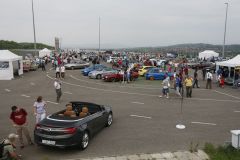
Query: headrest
x,y
69,108
85,110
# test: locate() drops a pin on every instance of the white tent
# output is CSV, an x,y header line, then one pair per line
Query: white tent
x,y
10,63
45,52
234,62
208,54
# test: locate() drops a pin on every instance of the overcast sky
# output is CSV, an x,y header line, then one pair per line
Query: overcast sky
x,y
124,23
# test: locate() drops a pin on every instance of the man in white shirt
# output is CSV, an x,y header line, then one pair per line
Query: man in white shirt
x,y
57,72
57,86
209,80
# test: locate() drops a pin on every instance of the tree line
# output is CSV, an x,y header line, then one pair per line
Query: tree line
x,y
25,45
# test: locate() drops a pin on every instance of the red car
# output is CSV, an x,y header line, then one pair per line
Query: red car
x,y
114,77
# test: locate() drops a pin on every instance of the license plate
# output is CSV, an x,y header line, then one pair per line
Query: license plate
x,y
48,142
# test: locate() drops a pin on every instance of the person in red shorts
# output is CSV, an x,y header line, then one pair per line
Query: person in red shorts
x,y
221,81
19,119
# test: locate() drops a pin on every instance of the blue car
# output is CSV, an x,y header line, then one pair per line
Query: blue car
x,y
92,68
157,74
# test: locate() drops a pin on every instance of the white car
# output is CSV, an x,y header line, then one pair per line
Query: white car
x,y
97,74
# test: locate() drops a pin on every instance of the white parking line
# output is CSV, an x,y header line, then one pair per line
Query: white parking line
x,y
23,95
217,100
237,111
137,102
67,92
226,94
138,116
211,124
7,90
52,102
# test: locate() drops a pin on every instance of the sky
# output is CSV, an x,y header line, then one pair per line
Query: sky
x,y
124,23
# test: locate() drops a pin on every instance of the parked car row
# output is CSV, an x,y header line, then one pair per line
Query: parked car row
x,y
107,74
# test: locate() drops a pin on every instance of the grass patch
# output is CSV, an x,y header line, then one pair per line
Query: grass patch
x,y
222,152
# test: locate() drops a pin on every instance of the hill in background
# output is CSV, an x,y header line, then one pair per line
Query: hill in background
x,y
15,45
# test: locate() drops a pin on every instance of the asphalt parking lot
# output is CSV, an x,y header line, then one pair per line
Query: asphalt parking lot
x,y
143,122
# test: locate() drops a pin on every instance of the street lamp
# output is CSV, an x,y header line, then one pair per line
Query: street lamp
x,y
225,28
99,36
35,44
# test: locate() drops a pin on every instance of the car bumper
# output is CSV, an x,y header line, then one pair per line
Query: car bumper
x,y
60,141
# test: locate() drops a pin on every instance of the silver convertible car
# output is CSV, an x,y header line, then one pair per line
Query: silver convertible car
x,y
97,74
76,64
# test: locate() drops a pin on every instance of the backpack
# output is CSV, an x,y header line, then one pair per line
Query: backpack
x,y
2,145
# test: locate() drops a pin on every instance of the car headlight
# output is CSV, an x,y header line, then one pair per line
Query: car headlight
x,y
106,76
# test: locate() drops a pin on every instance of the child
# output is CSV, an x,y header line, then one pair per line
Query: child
x,y
221,82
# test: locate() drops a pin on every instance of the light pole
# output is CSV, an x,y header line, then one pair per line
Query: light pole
x,y
225,28
35,44
99,38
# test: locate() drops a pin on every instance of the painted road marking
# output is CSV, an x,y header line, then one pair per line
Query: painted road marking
x,y
52,102
67,92
138,116
142,94
204,123
23,95
137,102
237,111
33,84
217,100
7,90
227,94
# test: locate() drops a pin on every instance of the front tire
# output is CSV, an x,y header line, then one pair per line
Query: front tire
x,y
85,140
109,120
99,76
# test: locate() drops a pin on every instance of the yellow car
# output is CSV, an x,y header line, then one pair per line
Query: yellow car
x,y
144,70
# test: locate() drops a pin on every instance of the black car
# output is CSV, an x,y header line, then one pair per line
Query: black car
x,y
62,131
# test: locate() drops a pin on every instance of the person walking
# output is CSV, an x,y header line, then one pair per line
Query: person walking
x,y
62,70
43,65
165,89
209,80
178,84
39,109
19,119
57,86
9,148
188,83
57,72
195,77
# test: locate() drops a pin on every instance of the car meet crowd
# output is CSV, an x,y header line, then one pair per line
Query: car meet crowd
x,y
75,125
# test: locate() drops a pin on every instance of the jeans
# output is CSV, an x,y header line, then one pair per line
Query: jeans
x,y
209,84
59,94
40,117
189,91
195,83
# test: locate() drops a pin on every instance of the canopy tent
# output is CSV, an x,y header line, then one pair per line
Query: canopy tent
x,y
207,54
45,52
10,63
233,67
234,62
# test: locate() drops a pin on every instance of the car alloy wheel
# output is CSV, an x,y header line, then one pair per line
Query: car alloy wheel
x,y
85,140
110,119
98,76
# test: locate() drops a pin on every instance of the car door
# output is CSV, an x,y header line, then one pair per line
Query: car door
x,y
98,117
